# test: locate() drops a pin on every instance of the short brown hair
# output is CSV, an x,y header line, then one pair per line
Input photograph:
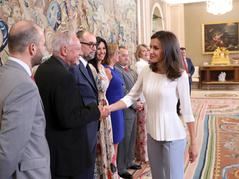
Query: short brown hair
x,y
80,33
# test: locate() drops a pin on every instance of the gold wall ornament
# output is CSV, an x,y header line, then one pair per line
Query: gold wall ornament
x,y
220,56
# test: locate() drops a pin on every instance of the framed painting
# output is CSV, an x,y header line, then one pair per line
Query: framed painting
x,y
220,35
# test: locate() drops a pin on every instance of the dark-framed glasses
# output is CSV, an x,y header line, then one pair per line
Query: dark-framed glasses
x,y
90,44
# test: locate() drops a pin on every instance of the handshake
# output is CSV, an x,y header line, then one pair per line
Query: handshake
x,y
104,109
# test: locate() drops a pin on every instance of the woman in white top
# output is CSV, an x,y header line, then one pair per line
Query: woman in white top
x,y
142,60
142,57
162,84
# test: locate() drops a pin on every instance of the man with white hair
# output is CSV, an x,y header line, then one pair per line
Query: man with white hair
x,y
66,113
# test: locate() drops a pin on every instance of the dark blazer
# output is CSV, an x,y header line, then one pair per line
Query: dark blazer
x,y
87,85
66,117
190,70
89,95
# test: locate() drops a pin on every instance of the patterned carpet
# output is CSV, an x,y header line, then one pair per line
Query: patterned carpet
x,y
144,173
215,94
217,129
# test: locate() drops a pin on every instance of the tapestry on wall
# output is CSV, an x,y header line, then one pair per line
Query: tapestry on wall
x,y
113,20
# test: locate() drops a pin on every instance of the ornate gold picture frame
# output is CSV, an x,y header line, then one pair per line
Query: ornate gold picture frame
x,y
220,35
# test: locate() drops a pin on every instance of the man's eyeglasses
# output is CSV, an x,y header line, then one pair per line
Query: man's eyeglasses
x,y
90,44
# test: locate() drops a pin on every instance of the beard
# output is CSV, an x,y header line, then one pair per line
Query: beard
x,y
89,57
36,60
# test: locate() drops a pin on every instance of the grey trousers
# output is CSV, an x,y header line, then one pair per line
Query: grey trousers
x,y
126,148
166,158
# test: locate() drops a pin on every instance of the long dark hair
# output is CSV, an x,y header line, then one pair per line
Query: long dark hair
x,y
172,61
94,61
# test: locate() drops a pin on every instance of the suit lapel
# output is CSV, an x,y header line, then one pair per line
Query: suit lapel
x,y
126,75
85,73
189,63
129,76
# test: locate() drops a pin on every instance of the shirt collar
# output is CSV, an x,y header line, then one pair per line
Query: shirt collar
x,y
83,61
23,64
144,61
124,66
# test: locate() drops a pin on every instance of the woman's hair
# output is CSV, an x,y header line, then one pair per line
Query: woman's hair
x,y
94,61
112,48
138,51
172,59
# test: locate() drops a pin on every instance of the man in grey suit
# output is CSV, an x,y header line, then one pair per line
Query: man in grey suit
x,y
24,152
127,145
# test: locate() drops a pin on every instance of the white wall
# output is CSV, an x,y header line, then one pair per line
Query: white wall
x,y
172,19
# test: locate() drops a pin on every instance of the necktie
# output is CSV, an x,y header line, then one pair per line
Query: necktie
x,y
185,65
90,73
126,69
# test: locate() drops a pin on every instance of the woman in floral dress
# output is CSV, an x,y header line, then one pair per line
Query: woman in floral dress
x,y
105,169
142,58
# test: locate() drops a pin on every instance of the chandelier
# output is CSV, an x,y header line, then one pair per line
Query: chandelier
x,y
218,7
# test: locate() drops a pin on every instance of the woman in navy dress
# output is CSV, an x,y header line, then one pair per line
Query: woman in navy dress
x,y
115,92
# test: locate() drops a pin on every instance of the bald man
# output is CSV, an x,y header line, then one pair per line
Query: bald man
x,y
24,152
